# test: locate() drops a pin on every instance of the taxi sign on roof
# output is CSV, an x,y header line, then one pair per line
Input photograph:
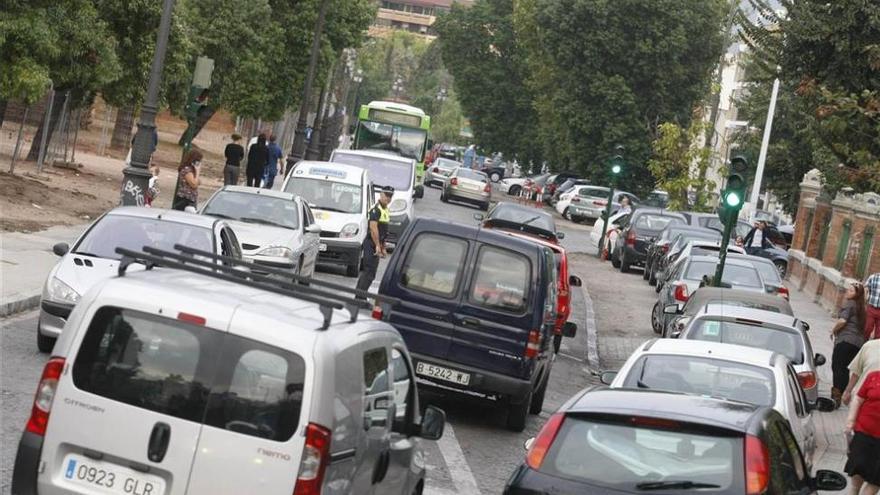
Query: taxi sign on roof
x,y
339,174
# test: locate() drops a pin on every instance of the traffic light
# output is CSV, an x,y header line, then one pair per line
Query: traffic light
x,y
734,192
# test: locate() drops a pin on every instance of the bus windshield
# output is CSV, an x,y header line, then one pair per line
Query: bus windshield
x,y
376,136
391,172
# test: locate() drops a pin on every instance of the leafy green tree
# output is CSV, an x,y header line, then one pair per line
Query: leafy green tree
x,y
679,165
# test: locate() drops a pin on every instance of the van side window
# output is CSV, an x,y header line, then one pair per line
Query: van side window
x,y
403,388
434,263
376,385
502,280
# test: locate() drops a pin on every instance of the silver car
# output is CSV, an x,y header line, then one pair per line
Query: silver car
x,y
276,229
439,171
469,186
681,316
94,258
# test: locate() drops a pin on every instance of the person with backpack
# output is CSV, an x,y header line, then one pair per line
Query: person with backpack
x,y
258,157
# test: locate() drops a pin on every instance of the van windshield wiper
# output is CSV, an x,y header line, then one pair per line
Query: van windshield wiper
x,y
674,485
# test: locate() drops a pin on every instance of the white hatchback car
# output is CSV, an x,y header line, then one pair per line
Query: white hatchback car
x,y
93,256
185,380
732,372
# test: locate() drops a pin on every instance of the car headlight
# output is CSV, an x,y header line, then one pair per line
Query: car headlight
x,y
397,205
276,252
350,230
56,290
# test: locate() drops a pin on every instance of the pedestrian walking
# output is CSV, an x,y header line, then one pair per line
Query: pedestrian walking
x,y
469,154
848,335
755,240
234,155
374,245
258,156
866,361
863,423
274,154
152,186
188,181
872,308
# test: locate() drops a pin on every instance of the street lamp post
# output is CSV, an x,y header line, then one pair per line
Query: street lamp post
x,y
616,166
319,125
298,149
397,87
136,177
442,96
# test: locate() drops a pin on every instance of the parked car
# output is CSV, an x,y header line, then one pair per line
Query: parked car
x,y
514,186
687,244
589,202
762,329
688,274
778,256
656,199
477,310
680,316
93,257
769,274
632,243
469,186
519,218
638,441
182,380
614,222
495,172
554,182
711,221
661,244
439,171
276,229
566,187
732,372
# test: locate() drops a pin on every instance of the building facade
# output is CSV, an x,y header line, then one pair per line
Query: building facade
x,y
415,16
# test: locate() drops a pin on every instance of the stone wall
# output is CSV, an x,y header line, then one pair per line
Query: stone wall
x,y
836,241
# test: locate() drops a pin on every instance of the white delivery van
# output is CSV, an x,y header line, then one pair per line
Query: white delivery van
x,y
340,196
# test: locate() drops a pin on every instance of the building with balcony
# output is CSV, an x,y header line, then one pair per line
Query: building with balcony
x,y
415,16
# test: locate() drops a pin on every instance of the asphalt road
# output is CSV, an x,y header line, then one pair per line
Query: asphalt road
x,y
476,455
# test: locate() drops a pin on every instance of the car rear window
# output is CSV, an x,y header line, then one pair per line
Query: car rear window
x,y
626,456
704,376
134,233
191,372
789,344
656,222
467,173
433,264
593,192
740,276
502,280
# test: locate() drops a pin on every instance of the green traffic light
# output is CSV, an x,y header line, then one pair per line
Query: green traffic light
x,y
615,169
732,199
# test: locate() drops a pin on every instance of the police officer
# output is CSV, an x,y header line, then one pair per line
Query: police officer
x,y
374,244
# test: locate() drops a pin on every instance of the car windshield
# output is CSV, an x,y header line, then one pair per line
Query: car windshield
x,y
629,456
254,208
704,376
406,141
446,164
466,173
327,195
528,217
383,172
134,233
741,332
740,276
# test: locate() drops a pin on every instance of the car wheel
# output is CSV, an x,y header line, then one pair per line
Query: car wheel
x,y
517,414
44,342
352,270
514,190
615,259
624,264
484,206
443,197
567,214
781,267
495,177
655,318
538,399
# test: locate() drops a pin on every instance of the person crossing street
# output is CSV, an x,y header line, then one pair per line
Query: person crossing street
x,y
374,244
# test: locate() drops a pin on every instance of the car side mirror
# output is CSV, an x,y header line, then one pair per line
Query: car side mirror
x,y
671,309
819,359
528,443
806,326
575,281
607,377
479,217
827,480
60,249
313,229
560,235
419,191
433,423
823,404
569,329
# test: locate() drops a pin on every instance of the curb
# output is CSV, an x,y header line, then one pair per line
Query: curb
x,y
18,305
592,334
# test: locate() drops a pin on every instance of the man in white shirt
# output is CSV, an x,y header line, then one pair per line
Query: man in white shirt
x,y
755,240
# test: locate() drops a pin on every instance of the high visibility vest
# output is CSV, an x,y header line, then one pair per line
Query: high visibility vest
x,y
384,216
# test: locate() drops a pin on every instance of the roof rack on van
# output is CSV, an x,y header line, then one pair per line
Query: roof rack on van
x,y
228,270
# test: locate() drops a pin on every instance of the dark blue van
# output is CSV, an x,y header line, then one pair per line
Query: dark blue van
x,y
477,311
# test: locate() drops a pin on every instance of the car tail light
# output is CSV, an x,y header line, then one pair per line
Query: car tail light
x,y
315,457
600,202
39,419
783,291
453,181
681,292
631,238
377,313
757,466
436,170
665,248
808,379
487,187
541,445
534,344
575,200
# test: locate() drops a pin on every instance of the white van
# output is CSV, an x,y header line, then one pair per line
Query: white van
x,y
340,196
388,170
186,379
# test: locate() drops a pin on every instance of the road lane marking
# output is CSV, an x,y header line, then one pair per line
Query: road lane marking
x,y
459,470
592,333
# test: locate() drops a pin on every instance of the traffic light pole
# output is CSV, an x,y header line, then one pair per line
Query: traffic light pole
x,y
722,254
606,216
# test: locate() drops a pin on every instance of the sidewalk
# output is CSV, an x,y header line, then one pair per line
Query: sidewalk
x,y
25,260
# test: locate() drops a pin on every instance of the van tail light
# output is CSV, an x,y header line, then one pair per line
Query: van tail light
x,y
680,293
808,379
377,313
487,188
453,181
541,445
757,466
315,457
600,202
783,292
631,238
436,170
534,344
39,419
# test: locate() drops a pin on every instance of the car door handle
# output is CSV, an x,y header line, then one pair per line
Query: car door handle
x,y
159,440
470,322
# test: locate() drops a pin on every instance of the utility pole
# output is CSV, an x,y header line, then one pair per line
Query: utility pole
x,y
136,176
297,151
765,143
320,124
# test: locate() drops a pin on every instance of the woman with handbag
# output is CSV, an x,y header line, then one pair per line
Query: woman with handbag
x,y
863,422
848,335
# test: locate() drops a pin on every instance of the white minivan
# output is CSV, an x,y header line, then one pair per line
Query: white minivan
x,y
340,196
388,170
195,378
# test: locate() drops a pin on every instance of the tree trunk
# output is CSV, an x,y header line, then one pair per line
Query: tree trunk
x,y
2,111
122,128
58,103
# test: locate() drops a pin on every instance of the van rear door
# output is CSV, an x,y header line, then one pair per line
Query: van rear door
x,y
127,414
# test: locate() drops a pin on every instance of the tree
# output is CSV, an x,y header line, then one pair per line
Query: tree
x,y
28,44
679,165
